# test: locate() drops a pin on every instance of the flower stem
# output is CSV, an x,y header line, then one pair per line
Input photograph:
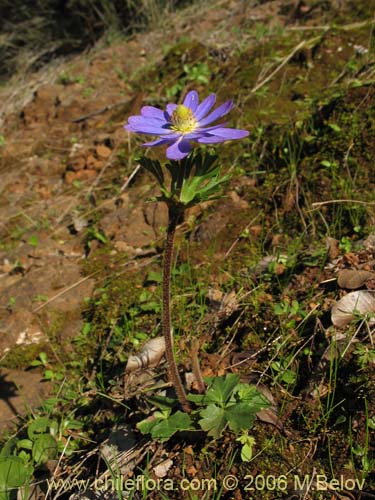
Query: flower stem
x,y
166,314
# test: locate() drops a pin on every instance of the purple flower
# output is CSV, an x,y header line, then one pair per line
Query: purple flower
x,y
182,123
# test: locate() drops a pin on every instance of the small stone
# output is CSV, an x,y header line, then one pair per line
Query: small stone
x,y
103,152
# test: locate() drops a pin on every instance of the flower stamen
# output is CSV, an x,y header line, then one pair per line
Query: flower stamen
x,y
183,120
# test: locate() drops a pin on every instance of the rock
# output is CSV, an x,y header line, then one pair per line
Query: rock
x,y
131,225
58,281
20,391
19,328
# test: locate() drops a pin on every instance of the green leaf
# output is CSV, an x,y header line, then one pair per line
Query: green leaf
x,y
8,447
146,426
44,448
38,426
33,240
154,167
179,421
154,276
13,474
326,163
27,444
163,402
250,394
43,358
246,453
334,127
240,416
213,421
229,403
221,389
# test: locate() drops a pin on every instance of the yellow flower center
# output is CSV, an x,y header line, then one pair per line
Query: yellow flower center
x,y
183,120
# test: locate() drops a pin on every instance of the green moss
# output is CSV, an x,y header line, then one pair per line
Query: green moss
x,y
20,357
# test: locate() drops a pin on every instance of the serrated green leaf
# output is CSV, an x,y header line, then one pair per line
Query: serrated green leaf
x,y
179,421
222,388
44,448
196,398
213,421
240,416
145,426
249,393
163,402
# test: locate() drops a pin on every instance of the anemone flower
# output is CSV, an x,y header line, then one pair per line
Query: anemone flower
x,y
182,123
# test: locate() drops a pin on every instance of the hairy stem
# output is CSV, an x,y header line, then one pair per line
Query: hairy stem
x,y
166,315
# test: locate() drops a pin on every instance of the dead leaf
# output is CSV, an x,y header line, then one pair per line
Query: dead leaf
x,y
352,304
162,469
333,248
353,278
150,355
229,304
269,415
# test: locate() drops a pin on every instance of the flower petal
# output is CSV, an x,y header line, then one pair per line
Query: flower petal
x,y
179,150
191,100
204,130
159,142
142,120
152,112
211,139
229,133
205,106
147,130
144,125
223,134
217,113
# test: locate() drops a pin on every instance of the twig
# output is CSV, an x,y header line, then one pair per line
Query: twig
x,y
130,178
63,292
330,202
304,43
239,237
